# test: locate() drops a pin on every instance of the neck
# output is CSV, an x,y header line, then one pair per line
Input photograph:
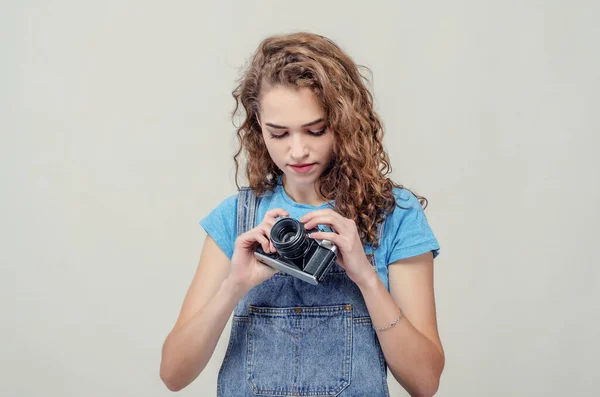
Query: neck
x,y
304,193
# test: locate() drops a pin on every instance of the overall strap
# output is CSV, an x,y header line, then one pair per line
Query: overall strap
x,y
246,209
379,230
370,251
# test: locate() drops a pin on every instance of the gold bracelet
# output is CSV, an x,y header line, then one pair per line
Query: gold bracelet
x,y
392,324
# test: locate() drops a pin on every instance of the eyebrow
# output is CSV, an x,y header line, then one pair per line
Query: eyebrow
x,y
279,127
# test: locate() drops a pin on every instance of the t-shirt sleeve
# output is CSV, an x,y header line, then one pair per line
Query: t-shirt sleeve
x,y
408,229
220,224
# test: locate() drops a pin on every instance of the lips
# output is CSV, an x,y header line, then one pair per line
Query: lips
x,y
302,167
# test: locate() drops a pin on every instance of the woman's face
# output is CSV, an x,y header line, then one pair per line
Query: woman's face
x,y
295,133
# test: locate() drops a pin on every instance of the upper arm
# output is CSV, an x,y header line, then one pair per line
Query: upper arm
x,y
411,286
212,270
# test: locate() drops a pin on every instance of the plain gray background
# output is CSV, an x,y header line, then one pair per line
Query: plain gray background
x,y
116,140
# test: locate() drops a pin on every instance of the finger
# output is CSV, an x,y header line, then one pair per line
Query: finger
x,y
262,240
333,237
330,220
267,232
265,229
274,213
307,217
269,222
248,239
271,217
245,240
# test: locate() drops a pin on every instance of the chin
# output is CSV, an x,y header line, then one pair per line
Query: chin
x,y
303,179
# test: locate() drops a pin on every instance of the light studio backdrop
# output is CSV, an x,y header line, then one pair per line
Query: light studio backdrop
x,y
116,139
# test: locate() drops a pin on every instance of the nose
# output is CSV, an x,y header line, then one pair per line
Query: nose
x,y
298,148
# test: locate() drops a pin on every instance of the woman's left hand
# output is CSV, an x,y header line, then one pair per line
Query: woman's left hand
x,y
351,254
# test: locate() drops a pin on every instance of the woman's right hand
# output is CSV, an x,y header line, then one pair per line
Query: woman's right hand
x,y
245,270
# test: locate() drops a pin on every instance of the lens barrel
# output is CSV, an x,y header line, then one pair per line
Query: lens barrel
x,y
289,238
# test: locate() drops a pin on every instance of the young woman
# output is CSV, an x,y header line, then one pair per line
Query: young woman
x,y
313,145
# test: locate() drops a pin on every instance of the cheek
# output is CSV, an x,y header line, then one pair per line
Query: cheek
x,y
267,141
273,149
327,147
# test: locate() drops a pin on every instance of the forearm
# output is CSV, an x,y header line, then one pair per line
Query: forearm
x,y
414,360
189,347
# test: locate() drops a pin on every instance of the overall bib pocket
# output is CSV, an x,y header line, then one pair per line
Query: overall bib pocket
x,y
299,351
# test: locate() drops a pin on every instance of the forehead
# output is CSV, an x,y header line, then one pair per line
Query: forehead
x,y
289,106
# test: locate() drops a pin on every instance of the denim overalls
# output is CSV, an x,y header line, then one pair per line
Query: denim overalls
x,y
292,338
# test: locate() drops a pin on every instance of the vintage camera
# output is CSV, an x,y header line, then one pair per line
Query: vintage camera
x,y
297,254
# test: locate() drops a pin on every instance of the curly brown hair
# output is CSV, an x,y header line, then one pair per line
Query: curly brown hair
x,y
357,178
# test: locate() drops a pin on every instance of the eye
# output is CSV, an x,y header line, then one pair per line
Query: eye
x,y
278,136
318,133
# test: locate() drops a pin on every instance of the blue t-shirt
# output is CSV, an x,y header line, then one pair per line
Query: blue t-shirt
x,y
406,232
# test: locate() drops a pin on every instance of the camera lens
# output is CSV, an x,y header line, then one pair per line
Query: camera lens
x,y
289,238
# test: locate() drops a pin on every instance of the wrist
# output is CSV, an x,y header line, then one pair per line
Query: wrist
x,y
369,280
234,289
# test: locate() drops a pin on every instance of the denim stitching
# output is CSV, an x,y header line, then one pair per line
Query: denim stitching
x,y
345,310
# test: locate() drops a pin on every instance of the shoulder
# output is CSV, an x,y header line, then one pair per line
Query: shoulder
x,y
229,202
227,206
406,203
220,223
407,209
406,231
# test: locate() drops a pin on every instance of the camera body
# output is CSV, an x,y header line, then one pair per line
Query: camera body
x,y
297,254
